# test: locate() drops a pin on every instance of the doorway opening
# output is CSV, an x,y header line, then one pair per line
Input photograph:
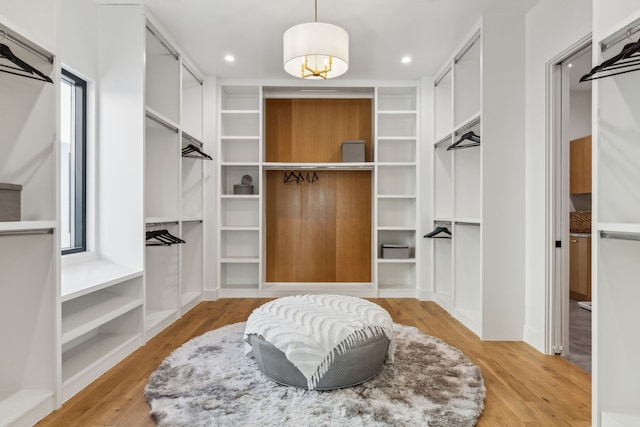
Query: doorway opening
x,y
570,213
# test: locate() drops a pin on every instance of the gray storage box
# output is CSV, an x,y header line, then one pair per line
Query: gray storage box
x,y
10,202
242,189
352,151
395,251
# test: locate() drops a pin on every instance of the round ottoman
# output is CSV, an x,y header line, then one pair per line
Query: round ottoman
x,y
320,342
355,366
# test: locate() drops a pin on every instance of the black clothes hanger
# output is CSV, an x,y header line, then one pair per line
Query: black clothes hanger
x,y
189,151
293,176
469,136
626,61
162,238
435,234
5,52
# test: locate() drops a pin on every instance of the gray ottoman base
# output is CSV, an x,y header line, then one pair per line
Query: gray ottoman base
x,y
357,365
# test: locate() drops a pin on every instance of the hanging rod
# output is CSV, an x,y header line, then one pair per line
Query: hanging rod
x,y
161,40
466,49
442,141
192,221
442,76
155,224
468,126
36,52
193,74
619,36
161,122
26,232
192,139
620,236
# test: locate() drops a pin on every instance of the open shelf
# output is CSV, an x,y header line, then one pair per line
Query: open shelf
x,y
90,349
396,180
232,175
89,276
240,275
246,98
85,313
396,150
240,150
396,99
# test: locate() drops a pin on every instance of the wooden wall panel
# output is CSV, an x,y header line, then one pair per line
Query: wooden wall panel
x,y
321,231
312,130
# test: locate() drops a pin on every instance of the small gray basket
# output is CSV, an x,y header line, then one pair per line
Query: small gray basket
x,y
10,202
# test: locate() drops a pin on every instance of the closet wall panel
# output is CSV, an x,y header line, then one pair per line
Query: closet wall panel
x,y
320,231
312,130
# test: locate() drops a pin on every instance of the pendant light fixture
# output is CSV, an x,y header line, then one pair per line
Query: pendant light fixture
x,y
316,50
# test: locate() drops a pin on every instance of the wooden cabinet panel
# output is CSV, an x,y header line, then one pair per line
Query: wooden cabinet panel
x,y
580,166
320,231
312,130
580,268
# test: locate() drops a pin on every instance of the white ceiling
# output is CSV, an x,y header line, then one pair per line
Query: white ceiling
x,y
381,32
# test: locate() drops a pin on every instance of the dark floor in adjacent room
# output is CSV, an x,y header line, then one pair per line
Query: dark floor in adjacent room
x,y
579,336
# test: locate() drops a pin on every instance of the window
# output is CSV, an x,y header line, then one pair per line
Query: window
x,y
73,169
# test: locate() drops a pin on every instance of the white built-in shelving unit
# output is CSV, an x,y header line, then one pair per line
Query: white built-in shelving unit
x,y
173,183
240,215
471,271
29,247
396,201
616,246
114,299
241,219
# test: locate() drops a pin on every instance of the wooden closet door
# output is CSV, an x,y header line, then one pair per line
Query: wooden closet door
x,y
320,231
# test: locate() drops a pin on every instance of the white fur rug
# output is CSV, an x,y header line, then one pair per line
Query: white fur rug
x,y
210,382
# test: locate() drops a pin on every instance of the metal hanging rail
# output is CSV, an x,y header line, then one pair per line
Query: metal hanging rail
x,y
620,236
26,232
442,76
468,126
156,224
192,139
36,52
616,38
162,41
198,79
467,48
161,122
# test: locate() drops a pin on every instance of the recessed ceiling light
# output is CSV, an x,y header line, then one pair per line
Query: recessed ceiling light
x,y
229,58
570,65
406,59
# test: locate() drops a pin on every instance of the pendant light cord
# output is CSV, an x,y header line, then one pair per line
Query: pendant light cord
x,y
316,12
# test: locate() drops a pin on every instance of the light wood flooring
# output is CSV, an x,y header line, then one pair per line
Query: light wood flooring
x,y
524,387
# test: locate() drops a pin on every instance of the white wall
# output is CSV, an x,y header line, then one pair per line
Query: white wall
x,y
78,38
549,32
34,19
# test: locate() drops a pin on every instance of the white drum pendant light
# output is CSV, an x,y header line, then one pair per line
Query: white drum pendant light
x,y
316,50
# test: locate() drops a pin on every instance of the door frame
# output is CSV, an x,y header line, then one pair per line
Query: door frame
x,y
557,198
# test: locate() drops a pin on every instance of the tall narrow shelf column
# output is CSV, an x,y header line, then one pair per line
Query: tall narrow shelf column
x,y
29,241
396,189
240,189
478,156
616,231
